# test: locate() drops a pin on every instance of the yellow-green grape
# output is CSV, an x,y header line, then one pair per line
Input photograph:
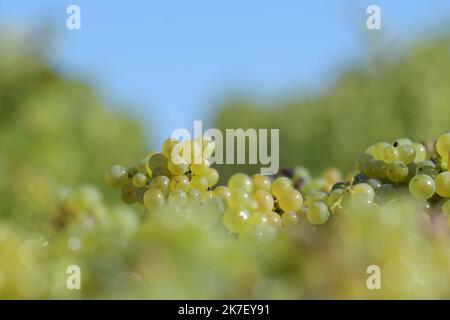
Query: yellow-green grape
x,y
290,200
178,197
390,154
140,180
315,196
280,185
212,176
116,176
442,182
153,198
128,193
235,219
158,165
200,169
239,198
275,220
264,200
427,167
261,182
443,144
240,181
160,183
333,199
206,196
377,150
406,153
318,213
199,182
397,171
168,146
422,187
194,197
143,167
421,152
179,182
363,190
222,192
289,218
446,208
401,142
177,169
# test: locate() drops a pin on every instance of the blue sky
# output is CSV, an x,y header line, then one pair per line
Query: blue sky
x,y
170,62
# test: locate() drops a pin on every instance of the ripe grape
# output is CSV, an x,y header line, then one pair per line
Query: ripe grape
x,y
235,218
178,197
239,198
222,192
427,167
200,169
318,213
116,176
280,185
397,171
290,200
334,197
261,182
178,168
142,167
275,220
264,200
168,146
206,196
442,182
406,153
446,208
422,187
179,182
240,181
194,197
157,160
315,196
374,183
160,183
153,198
289,218
212,176
363,190
421,152
390,154
140,180
443,144
199,182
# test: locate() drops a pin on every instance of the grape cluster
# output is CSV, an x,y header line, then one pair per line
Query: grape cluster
x,y
179,175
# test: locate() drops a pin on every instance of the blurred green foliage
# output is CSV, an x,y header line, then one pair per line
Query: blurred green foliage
x,y
391,97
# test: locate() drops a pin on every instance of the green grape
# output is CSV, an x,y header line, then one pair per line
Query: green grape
x,y
178,197
401,142
442,182
264,200
239,198
261,182
397,171
378,148
160,183
235,219
168,146
240,181
116,176
275,220
177,169
143,167
140,180
318,213
194,197
206,196
222,192
200,169
280,185
421,152
443,144
157,160
212,176
180,182
257,218
363,159
427,167
334,197
390,154
199,182
376,169
153,199
289,218
315,196
374,183
406,153
446,208
422,187
363,190
290,200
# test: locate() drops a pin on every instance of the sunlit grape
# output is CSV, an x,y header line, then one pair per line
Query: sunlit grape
x,y
234,219
194,197
279,185
315,196
178,197
140,180
318,213
421,152
264,200
397,171
240,181
212,176
442,182
160,183
178,168
153,198
275,220
364,190
289,218
261,182
199,182
168,146
290,200
390,154
443,144
422,187
179,182
222,192
406,153
200,169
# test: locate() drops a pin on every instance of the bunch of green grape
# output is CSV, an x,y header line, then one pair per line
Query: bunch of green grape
x,y
179,175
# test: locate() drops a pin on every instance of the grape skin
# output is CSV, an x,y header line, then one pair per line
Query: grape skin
x,y
318,213
442,182
422,187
